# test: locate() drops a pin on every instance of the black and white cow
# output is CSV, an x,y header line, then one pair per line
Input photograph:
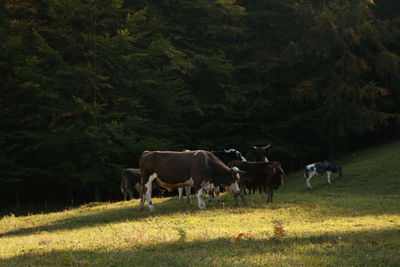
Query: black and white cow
x,y
258,154
321,168
226,156
171,169
130,180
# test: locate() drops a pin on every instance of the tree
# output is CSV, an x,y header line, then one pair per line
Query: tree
x,y
338,56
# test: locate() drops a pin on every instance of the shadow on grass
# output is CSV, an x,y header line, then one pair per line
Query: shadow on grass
x,y
371,248
33,209
346,206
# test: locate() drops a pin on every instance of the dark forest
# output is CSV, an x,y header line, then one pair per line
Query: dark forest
x,y
87,86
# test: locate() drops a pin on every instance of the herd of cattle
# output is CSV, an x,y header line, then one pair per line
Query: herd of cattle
x,y
206,171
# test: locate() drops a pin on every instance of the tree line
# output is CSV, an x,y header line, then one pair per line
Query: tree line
x,y
87,86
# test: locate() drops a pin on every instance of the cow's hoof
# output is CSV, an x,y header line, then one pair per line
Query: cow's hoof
x,y
202,207
151,208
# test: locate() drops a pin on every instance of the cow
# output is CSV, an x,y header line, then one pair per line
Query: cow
x,y
130,180
259,174
258,153
321,168
226,156
172,169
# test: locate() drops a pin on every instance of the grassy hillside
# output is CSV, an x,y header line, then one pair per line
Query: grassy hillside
x,y
353,222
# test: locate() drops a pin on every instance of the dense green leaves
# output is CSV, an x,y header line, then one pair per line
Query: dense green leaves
x,y
88,85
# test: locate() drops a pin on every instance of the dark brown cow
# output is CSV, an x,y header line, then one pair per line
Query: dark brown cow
x,y
259,174
130,180
258,153
171,169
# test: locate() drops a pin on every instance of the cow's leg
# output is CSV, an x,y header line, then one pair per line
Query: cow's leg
x,y
124,192
122,187
142,192
309,179
217,191
241,194
210,190
245,190
328,175
130,191
149,187
200,199
187,192
270,194
236,199
180,193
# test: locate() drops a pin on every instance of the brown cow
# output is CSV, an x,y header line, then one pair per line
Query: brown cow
x,y
258,153
171,169
259,174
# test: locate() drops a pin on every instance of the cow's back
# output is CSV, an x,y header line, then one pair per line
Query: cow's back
x,y
174,166
251,168
130,176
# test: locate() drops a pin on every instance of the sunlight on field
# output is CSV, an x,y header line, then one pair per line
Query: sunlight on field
x,y
329,225
100,229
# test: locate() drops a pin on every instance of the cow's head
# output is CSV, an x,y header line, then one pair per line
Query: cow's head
x,y
233,181
276,174
261,153
234,154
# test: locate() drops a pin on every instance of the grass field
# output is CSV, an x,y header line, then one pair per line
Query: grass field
x,y
353,222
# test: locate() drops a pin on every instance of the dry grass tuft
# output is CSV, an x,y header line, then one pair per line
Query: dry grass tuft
x,y
279,231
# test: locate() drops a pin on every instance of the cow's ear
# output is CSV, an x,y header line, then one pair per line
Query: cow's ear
x,y
254,147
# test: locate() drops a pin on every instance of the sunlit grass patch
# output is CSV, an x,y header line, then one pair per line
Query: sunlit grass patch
x,y
353,222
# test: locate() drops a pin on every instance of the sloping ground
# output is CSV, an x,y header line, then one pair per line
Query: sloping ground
x,y
353,222
370,171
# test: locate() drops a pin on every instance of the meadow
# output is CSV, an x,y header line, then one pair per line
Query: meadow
x,y
353,222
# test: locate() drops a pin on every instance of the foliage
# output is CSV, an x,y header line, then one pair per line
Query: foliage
x,y
87,86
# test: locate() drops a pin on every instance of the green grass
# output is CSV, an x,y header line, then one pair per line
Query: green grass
x,y
353,222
